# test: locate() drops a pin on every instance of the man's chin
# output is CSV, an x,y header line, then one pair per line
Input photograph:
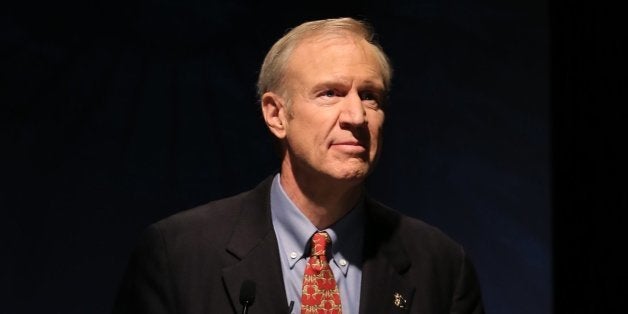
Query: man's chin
x,y
351,175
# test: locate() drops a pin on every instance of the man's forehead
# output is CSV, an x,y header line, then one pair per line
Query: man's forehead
x,y
314,48
313,61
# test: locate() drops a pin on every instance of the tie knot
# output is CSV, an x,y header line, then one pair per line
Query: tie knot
x,y
319,243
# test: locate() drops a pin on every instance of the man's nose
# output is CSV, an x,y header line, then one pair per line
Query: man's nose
x,y
352,113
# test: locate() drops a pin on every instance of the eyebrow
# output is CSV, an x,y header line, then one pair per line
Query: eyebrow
x,y
342,82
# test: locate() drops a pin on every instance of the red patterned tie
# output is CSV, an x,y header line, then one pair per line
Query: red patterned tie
x,y
320,293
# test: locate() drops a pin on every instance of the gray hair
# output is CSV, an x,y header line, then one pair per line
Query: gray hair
x,y
271,77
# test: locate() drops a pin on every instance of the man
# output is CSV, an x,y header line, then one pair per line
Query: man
x,y
307,240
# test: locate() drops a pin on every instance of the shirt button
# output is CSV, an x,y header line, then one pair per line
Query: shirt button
x,y
343,262
293,255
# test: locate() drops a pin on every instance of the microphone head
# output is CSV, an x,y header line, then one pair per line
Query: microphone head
x,y
247,292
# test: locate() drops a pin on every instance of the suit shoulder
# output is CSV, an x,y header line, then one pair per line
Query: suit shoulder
x,y
217,210
428,236
417,234
215,219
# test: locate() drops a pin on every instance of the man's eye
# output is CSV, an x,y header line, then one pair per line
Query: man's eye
x,y
329,93
370,97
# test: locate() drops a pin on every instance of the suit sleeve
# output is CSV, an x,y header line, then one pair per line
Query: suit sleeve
x,y
146,287
467,297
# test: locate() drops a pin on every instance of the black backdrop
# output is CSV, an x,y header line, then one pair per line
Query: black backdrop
x,y
116,114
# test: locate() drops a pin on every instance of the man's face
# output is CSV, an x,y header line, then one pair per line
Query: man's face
x,y
335,118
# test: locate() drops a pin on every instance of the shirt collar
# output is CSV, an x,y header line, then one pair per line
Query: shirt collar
x,y
294,230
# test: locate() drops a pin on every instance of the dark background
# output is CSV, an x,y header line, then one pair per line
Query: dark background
x,y
503,131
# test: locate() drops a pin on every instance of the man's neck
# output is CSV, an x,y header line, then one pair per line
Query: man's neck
x,y
322,201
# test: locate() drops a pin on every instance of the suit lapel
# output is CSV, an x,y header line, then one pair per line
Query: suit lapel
x,y
384,289
254,245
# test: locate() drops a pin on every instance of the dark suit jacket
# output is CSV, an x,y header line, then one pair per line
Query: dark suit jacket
x,y
196,261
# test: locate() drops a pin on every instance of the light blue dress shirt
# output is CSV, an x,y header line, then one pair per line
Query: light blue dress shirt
x,y
293,232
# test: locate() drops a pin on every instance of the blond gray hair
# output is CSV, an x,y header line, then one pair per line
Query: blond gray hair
x,y
272,73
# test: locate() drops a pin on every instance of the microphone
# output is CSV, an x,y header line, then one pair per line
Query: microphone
x,y
247,295
290,307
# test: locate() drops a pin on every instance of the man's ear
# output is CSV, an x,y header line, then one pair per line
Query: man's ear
x,y
275,114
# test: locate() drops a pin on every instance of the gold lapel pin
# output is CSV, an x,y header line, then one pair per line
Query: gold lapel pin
x,y
399,301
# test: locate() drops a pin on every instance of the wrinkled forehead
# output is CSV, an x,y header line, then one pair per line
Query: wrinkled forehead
x,y
321,41
312,46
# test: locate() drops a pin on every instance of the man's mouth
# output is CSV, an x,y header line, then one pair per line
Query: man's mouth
x,y
352,147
